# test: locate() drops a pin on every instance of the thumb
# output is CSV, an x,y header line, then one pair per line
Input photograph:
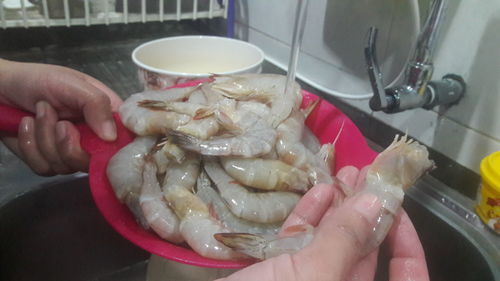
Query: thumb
x,y
343,237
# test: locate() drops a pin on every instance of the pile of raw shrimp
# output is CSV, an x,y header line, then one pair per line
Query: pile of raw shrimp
x,y
229,155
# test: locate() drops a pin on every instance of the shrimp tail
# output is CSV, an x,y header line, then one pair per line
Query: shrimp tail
x,y
203,113
327,154
268,246
227,123
252,245
153,104
184,140
310,107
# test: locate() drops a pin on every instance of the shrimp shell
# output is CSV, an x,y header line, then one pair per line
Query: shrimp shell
x,y
158,215
257,138
262,207
145,121
205,191
266,174
392,172
292,151
262,87
124,172
266,246
197,226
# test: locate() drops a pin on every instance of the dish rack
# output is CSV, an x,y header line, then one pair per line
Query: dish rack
x,y
39,13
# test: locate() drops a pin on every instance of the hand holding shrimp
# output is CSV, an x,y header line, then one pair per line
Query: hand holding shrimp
x,y
333,253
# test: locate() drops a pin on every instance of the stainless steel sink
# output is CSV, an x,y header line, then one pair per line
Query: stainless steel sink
x,y
54,232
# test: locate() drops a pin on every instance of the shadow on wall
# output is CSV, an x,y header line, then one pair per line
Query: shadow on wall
x,y
483,94
241,14
346,25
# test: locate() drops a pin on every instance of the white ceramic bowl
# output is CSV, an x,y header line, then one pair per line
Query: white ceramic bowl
x,y
172,60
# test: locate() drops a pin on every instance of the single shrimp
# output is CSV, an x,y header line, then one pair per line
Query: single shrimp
x,y
209,195
158,215
255,138
124,172
262,207
197,226
266,174
267,246
144,121
183,174
201,129
393,171
292,151
269,88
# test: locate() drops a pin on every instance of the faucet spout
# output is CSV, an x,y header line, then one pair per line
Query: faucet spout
x,y
417,89
426,40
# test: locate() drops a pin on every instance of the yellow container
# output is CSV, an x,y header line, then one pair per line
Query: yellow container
x,y
488,208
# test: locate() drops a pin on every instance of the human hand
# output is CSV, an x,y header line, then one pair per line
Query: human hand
x,y
341,235
48,143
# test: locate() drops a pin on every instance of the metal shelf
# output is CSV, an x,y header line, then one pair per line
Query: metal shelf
x,y
95,12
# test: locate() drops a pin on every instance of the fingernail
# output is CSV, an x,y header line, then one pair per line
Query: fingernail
x,y
368,205
26,124
40,109
108,130
61,132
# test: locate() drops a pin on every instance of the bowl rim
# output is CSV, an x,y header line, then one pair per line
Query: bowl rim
x,y
195,75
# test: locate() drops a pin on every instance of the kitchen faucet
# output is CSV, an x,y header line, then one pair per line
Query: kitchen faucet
x,y
417,88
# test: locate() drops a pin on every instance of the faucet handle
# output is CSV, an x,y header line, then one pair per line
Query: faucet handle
x,y
379,99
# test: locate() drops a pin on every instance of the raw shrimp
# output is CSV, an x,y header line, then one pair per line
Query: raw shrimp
x,y
262,207
392,172
158,215
144,121
269,88
310,141
170,151
266,174
267,246
256,138
124,172
201,129
194,110
197,226
183,174
198,96
206,192
292,151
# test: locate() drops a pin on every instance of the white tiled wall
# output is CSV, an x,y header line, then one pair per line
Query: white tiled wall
x,y
332,60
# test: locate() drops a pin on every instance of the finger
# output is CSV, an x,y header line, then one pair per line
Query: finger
x,y
341,236
28,148
96,107
364,269
45,122
71,94
311,206
115,100
361,179
406,252
68,147
319,196
348,175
